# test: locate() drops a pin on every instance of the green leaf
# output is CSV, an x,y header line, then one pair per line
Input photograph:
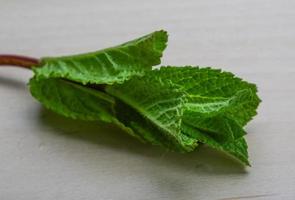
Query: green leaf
x,y
211,114
166,100
211,85
72,100
221,128
153,110
107,66
236,148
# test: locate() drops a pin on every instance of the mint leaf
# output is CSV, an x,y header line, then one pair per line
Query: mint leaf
x,y
73,100
212,114
175,98
236,148
210,84
153,110
107,66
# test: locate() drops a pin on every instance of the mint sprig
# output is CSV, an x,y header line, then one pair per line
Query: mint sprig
x,y
172,106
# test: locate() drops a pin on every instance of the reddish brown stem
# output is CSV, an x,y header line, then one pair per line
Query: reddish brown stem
x,y
19,61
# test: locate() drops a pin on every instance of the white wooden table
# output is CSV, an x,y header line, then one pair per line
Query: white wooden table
x,y
44,156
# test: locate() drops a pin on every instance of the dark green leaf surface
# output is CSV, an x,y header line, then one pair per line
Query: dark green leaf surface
x,y
155,111
107,66
237,148
211,85
213,114
73,100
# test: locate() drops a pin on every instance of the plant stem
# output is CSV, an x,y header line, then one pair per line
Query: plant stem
x,y
19,61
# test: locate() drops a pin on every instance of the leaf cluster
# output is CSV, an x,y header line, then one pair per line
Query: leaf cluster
x,y
175,107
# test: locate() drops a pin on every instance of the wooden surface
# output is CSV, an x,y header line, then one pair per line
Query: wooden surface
x,y
44,156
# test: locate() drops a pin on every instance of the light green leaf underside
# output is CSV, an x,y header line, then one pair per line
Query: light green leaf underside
x,y
73,100
107,66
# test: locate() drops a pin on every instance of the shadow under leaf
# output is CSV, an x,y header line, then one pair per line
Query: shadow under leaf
x,y
203,159
12,83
